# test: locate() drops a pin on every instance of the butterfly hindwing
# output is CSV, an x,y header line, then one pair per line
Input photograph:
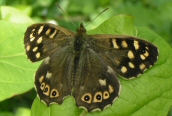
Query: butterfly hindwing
x,y
53,78
96,85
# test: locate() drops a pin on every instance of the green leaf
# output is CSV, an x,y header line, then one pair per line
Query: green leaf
x,y
13,15
17,72
68,108
121,24
149,94
6,114
22,112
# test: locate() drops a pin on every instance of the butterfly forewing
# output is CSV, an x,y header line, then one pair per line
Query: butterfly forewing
x,y
129,56
43,39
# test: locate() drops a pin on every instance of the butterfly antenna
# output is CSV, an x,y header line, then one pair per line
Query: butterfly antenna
x,y
97,16
66,15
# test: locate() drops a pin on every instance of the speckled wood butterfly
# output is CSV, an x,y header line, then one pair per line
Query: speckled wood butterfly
x,y
84,66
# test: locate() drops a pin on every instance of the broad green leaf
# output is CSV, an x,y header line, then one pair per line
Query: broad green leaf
x,y
22,112
6,114
13,15
16,71
118,25
149,94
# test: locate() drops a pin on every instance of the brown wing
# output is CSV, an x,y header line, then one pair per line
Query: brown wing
x,y
43,39
129,56
54,76
96,83
55,44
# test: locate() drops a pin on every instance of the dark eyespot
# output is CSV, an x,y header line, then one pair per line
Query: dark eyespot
x,y
98,97
106,94
143,50
87,98
34,33
42,85
54,93
46,89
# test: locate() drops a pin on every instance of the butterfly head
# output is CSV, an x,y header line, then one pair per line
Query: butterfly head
x,y
81,30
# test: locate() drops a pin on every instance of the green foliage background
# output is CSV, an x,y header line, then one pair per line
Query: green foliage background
x,y
16,72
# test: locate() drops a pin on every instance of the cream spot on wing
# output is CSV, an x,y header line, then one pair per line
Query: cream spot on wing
x,y
40,29
136,44
130,54
131,64
123,69
31,35
38,55
46,61
48,75
31,39
109,69
28,48
124,44
142,66
102,82
142,57
33,30
82,88
115,44
146,54
41,79
48,32
34,49
39,40
53,34
111,89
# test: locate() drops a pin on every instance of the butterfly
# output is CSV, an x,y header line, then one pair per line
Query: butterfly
x,y
84,66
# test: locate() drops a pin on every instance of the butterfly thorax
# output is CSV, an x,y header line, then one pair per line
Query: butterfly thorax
x,y
79,40
80,37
